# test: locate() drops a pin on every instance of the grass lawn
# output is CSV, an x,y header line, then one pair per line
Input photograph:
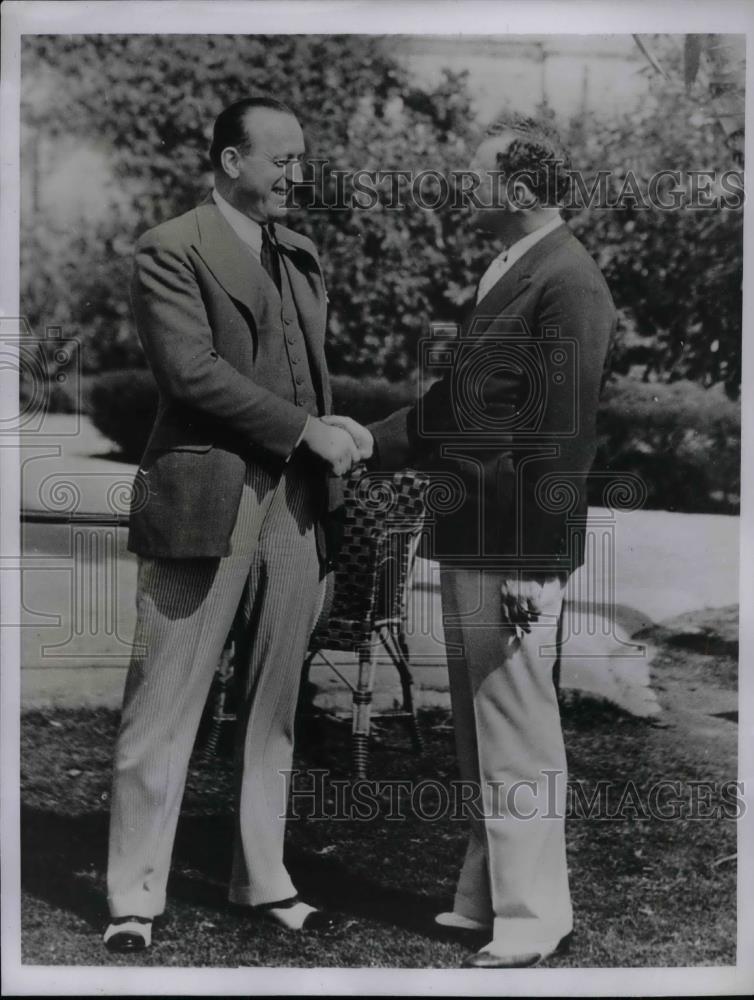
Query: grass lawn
x,y
647,891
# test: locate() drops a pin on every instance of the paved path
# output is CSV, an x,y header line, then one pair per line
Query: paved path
x,y
78,587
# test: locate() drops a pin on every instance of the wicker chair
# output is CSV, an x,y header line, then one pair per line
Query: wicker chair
x,y
366,603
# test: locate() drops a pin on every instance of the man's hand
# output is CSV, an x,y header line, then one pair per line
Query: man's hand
x,y
521,602
362,438
333,445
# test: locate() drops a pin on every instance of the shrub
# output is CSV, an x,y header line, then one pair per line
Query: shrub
x,y
122,406
675,275
684,442
369,399
50,397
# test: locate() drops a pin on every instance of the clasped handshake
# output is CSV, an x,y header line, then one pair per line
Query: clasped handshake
x,y
339,441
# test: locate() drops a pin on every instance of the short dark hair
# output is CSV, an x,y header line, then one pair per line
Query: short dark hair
x,y
537,152
230,125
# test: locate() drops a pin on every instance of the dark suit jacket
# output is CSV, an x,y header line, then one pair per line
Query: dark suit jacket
x,y
209,319
509,428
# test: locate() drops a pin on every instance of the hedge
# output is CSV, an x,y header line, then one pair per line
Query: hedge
x,y
682,440
675,275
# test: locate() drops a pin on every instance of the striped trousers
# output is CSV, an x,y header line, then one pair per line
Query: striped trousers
x,y
185,608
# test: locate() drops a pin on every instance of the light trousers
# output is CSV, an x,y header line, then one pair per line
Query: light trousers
x,y
510,750
185,609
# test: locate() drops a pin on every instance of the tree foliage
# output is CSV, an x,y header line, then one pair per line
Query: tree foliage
x,y
675,273
148,101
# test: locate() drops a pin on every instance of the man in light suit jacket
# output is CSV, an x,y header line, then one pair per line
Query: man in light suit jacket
x,y
510,429
232,504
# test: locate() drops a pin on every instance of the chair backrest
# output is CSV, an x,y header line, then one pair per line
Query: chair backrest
x,y
384,516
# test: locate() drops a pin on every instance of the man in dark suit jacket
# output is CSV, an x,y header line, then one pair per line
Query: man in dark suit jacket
x,y
230,507
509,430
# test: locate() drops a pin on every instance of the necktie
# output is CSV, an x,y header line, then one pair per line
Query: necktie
x,y
270,255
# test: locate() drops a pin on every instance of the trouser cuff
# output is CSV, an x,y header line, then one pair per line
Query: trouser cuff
x,y
136,905
247,895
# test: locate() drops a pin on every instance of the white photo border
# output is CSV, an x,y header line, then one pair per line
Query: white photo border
x,y
589,17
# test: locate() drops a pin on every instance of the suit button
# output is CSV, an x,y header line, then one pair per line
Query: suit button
x,y
294,359
291,339
299,379
286,321
300,402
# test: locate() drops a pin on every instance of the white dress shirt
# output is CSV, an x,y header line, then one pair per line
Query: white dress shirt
x,y
505,260
246,229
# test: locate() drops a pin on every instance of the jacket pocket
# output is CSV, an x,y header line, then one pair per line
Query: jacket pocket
x,y
159,448
161,453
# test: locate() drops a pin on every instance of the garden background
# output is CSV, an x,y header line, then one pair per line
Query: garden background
x,y
141,108
115,131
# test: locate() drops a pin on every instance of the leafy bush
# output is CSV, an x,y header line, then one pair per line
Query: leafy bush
x,y
682,440
122,406
50,397
388,271
369,399
675,275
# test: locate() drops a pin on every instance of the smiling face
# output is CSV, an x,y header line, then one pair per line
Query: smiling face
x,y
257,179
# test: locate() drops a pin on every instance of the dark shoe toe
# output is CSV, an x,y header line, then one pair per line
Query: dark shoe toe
x,y
488,960
321,921
125,942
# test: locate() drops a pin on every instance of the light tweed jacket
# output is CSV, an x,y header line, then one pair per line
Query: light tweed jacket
x,y
209,320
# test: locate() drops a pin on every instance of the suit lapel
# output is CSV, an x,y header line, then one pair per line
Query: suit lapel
x,y
244,279
231,262
516,280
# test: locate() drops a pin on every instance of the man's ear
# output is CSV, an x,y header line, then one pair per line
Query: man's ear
x,y
229,159
522,198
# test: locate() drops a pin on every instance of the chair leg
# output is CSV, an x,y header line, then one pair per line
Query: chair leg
x,y
219,696
398,651
305,692
362,703
212,739
408,698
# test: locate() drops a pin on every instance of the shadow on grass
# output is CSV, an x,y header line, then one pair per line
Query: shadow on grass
x,y
389,878
65,861
61,859
336,885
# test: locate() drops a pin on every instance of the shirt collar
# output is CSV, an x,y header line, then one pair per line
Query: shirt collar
x,y
519,248
247,230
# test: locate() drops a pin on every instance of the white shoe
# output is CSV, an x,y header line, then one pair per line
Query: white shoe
x,y
498,955
460,923
128,934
